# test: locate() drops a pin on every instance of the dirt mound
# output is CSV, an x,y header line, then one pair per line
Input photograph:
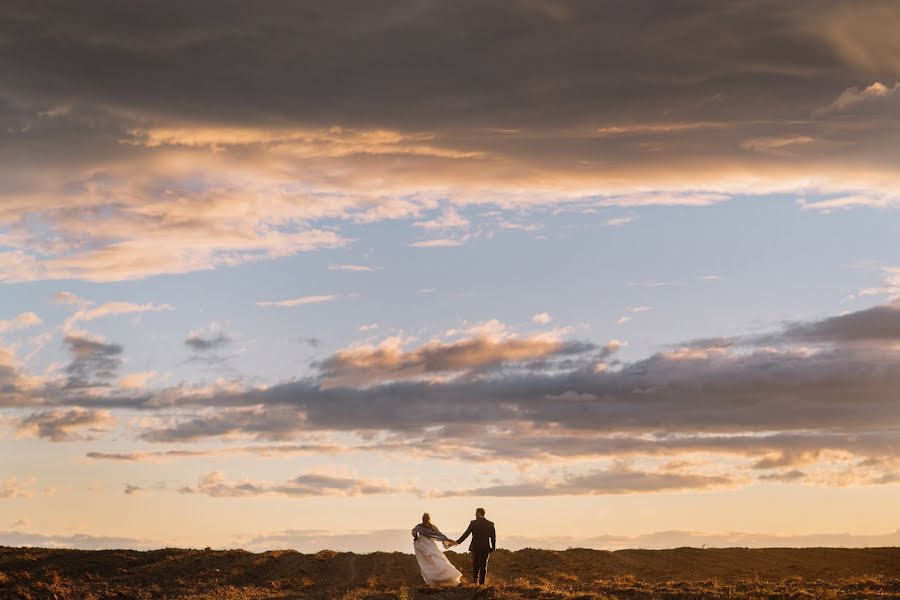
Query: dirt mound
x,y
37,573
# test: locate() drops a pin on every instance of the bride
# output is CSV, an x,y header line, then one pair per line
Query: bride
x,y
436,569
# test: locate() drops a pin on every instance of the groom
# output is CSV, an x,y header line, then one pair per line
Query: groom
x,y
484,541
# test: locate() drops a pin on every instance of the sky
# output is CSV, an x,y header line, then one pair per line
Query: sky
x,y
288,275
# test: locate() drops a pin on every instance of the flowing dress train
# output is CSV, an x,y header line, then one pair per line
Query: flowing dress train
x,y
436,569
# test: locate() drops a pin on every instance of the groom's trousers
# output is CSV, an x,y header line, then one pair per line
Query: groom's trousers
x,y
479,565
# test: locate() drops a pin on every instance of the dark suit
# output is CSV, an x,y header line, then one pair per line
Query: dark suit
x,y
484,541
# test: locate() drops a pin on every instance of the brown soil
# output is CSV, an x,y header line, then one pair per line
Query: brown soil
x,y
37,573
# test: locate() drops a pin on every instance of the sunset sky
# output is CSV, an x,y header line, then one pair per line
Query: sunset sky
x,y
285,274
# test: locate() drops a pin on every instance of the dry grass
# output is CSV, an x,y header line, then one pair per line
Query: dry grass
x,y
38,574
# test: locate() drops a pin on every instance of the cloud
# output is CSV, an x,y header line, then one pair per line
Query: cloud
x,y
335,142
654,284
310,485
368,327
386,209
209,339
67,298
17,388
136,380
759,408
521,226
816,397
314,540
449,219
876,324
81,541
615,481
388,361
353,268
114,308
263,423
61,426
12,488
665,199
301,301
94,362
260,451
541,318
890,285
849,201
438,243
785,476
21,321
397,540
779,146
186,174
675,393
143,236
855,96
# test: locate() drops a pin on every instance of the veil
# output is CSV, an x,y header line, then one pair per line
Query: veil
x,y
434,534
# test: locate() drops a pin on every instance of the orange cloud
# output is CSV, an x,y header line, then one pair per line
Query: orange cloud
x,y
21,321
388,361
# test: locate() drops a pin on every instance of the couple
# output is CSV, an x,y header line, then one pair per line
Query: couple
x,y
436,569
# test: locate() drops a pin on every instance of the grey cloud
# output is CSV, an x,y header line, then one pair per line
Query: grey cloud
x,y
93,363
613,481
214,484
494,100
61,426
204,342
778,409
305,485
847,389
261,451
876,324
207,346
474,64
82,541
14,391
272,423
521,443
784,476
518,443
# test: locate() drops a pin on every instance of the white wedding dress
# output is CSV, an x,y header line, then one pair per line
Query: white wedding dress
x,y
436,569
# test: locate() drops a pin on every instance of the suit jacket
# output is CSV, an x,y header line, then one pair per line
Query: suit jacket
x,y
484,537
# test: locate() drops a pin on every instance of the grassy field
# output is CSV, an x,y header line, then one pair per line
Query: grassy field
x,y
37,573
